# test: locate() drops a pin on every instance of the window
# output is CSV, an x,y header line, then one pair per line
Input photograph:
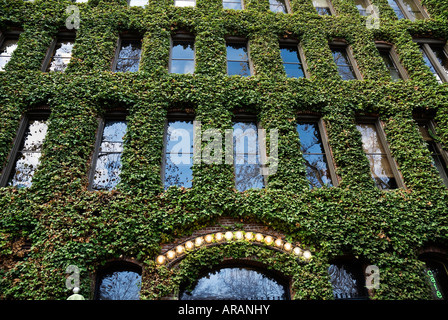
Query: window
x,y
246,155
236,284
439,156
182,54
391,61
347,280
382,166
436,271
107,156
279,6
408,9
80,1
137,3
323,7
344,61
238,59
178,155
27,150
232,4
316,153
292,60
127,58
362,6
59,53
435,57
8,44
119,282
184,3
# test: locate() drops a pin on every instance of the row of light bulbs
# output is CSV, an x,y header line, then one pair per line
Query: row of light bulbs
x,y
228,236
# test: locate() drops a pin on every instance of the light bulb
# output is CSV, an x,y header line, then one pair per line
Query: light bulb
x,y
198,241
278,243
249,236
268,239
219,236
208,238
161,259
189,245
228,235
259,237
297,251
307,254
179,249
287,246
238,235
171,254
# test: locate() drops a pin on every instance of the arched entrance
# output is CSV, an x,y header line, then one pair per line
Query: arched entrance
x,y
238,281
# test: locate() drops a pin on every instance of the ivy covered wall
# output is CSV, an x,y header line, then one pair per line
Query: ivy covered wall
x,y
67,224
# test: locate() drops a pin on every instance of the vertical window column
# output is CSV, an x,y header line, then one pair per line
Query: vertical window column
x,y
27,151
435,57
182,58
107,158
292,60
382,165
127,58
344,61
238,58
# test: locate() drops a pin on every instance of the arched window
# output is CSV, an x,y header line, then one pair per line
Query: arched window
x,y
347,279
436,271
119,281
236,283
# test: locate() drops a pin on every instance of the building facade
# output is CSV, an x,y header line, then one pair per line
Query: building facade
x,y
224,149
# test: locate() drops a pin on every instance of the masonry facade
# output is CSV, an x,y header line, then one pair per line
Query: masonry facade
x,y
295,147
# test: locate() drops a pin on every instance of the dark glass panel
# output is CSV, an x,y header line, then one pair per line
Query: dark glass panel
x,y
120,285
347,282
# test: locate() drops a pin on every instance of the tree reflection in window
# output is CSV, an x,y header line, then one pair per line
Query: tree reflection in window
x,y
129,56
347,281
108,163
237,59
179,154
61,56
380,167
313,151
322,7
278,6
29,153
236,284
247,162
343,63
120,285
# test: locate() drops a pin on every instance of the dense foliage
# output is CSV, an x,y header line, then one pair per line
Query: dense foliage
x,y
67,224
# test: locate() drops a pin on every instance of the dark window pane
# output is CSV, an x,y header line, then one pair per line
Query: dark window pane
x,y
441,57
317,171
437,275
438,160
390,65
179,154
430,65
345,69
247,157
347,282
29,153
108,164
236,284
120,285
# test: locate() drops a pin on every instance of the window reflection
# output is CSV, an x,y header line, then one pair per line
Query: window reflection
x,y
179,154
380,167
6,49
119,285
291,61
29,153
247,161
362,6
322,7
390,64
236,284
108,163
348,281
237,60
343,64
184,3
436,153
311,145
394,5
232,4
278,6
182,57
129,56
412,9
61,56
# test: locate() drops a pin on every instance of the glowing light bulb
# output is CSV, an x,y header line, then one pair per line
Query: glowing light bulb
x,y
238,235
228,235
171,254
287,246
278,243
208,238
307,254
259,237
297,251
249,236
268,240
161,259
198,241
219,236
180,249
189,245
